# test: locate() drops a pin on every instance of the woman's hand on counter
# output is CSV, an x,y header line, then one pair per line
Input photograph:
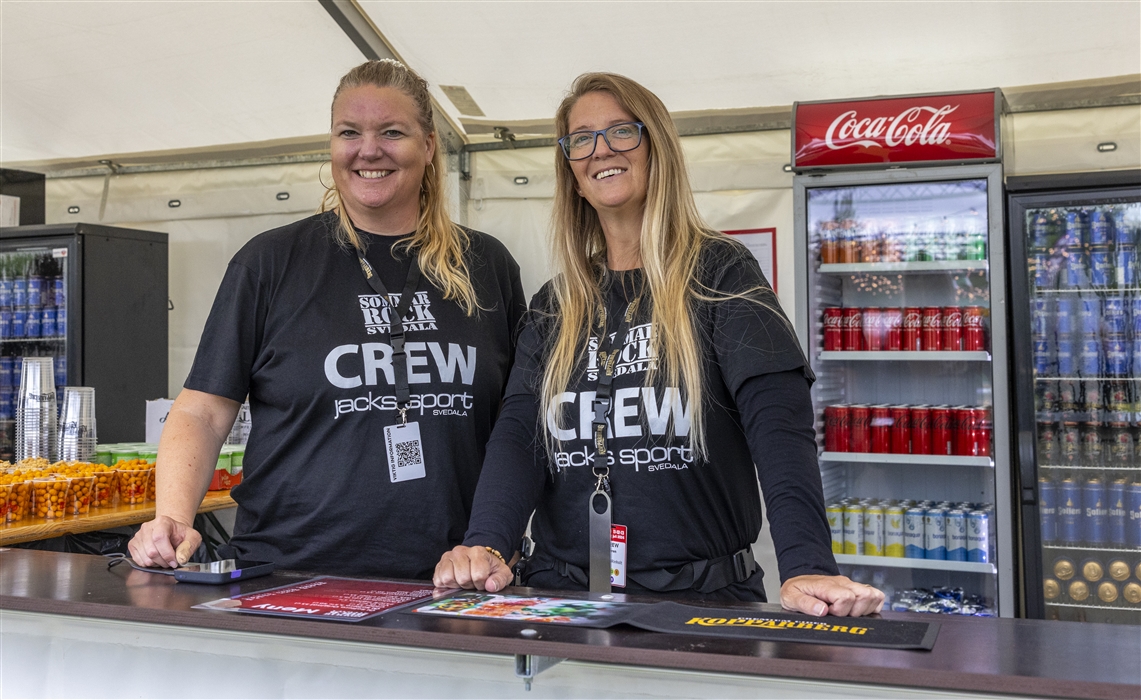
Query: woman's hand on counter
x,y
164,542
833,595
472,567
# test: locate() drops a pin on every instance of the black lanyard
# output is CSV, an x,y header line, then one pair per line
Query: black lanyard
x,y
396,325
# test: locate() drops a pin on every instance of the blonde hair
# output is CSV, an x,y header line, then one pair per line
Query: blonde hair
x,y
672,239
439,242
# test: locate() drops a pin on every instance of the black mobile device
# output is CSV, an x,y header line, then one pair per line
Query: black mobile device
x,y
222,571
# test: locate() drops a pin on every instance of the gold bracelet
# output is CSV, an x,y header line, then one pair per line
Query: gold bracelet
x,y
497,555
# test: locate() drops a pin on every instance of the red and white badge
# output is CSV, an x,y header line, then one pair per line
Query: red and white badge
x,y
618,556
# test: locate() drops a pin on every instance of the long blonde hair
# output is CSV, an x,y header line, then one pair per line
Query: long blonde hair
x,y
672,239
440,244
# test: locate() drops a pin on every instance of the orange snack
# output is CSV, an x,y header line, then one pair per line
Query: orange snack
x,y
152,483
19,501
79,495
50,496
103,487
133,483
6,500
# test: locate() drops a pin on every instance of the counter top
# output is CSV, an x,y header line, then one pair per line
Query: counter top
x,y
989,655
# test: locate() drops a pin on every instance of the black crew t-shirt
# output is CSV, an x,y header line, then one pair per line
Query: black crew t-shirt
x,y
296,326
677,508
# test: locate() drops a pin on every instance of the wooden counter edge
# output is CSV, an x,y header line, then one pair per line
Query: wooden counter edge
x,y
653,658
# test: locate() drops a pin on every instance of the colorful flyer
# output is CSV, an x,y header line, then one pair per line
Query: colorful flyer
x,y
566,611
328,597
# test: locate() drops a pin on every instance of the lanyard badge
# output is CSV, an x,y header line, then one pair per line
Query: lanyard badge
x,y
402,442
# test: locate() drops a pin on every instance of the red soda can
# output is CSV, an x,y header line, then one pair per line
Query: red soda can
x,y
893,328
837,428
881,429
932,328
912,328
974,328
861,424
852,335
921,430
833,325
964,423
873,328
982,428
901,430
942,430
952,328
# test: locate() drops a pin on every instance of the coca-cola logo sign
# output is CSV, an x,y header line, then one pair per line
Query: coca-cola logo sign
x,y
898,130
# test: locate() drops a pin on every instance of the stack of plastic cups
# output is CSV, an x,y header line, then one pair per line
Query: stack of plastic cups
x,y
36,410
77,424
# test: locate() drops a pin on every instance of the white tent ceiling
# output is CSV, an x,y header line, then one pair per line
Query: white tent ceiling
x,y
83,79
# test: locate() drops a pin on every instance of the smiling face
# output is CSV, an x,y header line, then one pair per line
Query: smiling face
x,y
379,153
613,183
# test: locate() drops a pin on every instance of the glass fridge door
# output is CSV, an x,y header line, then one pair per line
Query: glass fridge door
x,y
33,323
1084,296
899,303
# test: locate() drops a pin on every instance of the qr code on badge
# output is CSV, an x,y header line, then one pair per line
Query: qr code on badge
x,y
407,453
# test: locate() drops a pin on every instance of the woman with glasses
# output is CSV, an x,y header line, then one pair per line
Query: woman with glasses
x,y
651,374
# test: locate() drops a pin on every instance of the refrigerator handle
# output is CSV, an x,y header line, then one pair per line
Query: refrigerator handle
x,y
1028,479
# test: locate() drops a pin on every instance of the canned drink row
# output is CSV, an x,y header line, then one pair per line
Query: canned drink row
x,y
33,322
31,291
1066,398
1092,512
907,529
11,368
1104,225
1089,357
903,429
1101,267
869,241
1090,443
913,328
1077,316
1105,581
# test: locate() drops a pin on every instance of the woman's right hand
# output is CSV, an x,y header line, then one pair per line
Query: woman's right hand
x,y
472,567
164,542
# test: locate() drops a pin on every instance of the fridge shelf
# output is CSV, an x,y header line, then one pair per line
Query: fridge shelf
x,y
907,355
1089,290
50,339
1098,468
889,458
1108,550
918,266
1104,606
1087,379
972,567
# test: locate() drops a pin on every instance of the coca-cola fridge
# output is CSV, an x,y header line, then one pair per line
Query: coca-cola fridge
x,y
900,306
1076,317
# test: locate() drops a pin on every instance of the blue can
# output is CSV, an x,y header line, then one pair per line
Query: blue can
x,y
5,324
1101,266
1117,356
1133,527
60,365
19,320
1065,316
1095,513
1125,265
35,290
58,292
6,372
935,533
32,323
1089,312
1041,317
20,291
1065,357
1043,356
1122,234
47,322
1073,231
7,403
956,535
1089,356
1040,231
1048,510
5,293
1098,228
1040,266
978,536
1113,314
1118,516
61,320
913,533
1070,512
1077,271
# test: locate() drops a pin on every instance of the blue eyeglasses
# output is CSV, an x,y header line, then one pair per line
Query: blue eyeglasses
x,y
620,138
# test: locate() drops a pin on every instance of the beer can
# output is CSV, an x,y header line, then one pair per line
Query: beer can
x,y
893,531
1041,316
19,291
1135,355
932,328
1078,591
1095,512
6,324
1064,569
1118,570
964,431
1065,355
852,335
35,291
935,533
837,428
1064,316
1072,233
1089,356
32,324
59,294
1089,315
1040,230
912,333
5,292
978,536
901,430
952,328
861,428
1118,397
1113,315
1048,510
1117,356
1069,395
1121,445
1133,518
1092,453
873,328
19,321
1107,592
47,322
1070,443
835,513
921,430
1070,523
833,333
1131,592
893,328
1041,269
1092,397
6,372
1043,355
853,529
1076,274
913,533
881,429
1125,265
61,320
829,242
874,531
1101,267
942,430
1047,442
1092,570
1098,228
956,535
1046,396
1051,590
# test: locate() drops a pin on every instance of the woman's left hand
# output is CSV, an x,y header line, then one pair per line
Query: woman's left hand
x,y
833,595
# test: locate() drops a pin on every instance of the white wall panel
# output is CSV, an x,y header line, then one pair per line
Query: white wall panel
x,y
1066,141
